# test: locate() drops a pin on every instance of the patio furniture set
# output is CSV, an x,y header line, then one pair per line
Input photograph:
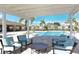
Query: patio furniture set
x,y
12,46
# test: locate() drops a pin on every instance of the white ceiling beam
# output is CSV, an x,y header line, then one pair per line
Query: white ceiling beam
x,y
75,9
41,8
45,12
28,7
34,10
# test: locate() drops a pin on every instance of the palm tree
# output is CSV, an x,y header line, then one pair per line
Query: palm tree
x,y
76,24
46,27
21,20
32,20
56,25
74,20
43,24
25,22
42,21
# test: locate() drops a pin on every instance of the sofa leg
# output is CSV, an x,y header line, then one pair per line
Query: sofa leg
x,y
3,52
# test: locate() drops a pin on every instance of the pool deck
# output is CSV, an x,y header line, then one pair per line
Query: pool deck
x,y
28,50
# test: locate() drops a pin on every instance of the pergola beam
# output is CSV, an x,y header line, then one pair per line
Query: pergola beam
x,y
33,10
75,9
4,27
72,13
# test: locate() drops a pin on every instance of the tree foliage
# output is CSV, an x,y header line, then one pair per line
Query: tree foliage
x,y
32,19
74,21
21,19
56,23
76,24
43,23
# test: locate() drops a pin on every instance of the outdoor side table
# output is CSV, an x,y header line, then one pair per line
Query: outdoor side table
x,y
38,47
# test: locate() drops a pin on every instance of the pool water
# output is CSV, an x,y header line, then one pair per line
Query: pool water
x,y
49,33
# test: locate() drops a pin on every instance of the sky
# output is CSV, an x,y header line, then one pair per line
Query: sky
x,y
51,19
48,19
77,16
12,18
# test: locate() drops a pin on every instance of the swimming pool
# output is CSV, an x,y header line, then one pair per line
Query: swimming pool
x,y
51,33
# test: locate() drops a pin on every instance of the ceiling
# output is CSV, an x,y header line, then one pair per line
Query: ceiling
x,y
30,10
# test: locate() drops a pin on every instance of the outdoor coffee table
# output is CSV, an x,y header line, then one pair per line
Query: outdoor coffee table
x,y
38,47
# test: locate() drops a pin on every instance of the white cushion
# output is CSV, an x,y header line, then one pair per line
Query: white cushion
x,y
15,38
61,52
17,44
0,45
69,47
8,49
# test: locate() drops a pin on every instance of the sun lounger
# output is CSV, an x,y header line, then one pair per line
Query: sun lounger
x,y
11,46
24,40
60,48
6,48
1,46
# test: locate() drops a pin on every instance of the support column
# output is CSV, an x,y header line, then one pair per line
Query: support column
x,y
27,27
71,26
75,10
14,28
4,27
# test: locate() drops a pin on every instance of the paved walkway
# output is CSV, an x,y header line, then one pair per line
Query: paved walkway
x,y
28,51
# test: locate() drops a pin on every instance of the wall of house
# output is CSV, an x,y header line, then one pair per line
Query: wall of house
x,y
11,28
